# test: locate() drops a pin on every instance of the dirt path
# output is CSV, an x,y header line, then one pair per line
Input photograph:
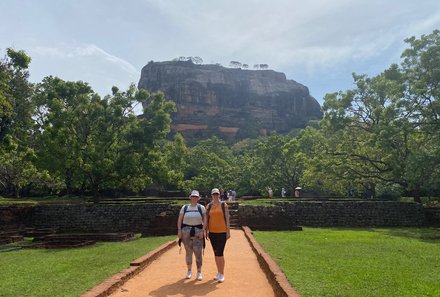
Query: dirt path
x,y
166,275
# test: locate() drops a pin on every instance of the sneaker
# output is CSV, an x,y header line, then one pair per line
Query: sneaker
x,y
220,278
216,277
189,274
199,276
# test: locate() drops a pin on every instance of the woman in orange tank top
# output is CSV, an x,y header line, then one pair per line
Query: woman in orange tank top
x,y
217,230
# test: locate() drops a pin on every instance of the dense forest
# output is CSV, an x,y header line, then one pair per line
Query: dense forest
x,y
381,138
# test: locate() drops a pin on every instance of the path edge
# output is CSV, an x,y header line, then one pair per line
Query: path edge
x,y
273,272
110,285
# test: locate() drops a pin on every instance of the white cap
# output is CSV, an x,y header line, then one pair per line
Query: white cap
x,y
215,191
195,193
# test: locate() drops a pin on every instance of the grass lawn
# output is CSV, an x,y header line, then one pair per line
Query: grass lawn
x,y
358,262
68,272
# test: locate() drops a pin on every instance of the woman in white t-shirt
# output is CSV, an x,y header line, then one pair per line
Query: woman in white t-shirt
x,y
191,232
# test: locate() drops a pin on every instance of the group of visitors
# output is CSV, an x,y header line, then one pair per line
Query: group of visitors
x,y
297,192
228,195
197,223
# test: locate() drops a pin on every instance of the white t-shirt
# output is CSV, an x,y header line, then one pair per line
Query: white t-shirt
x,y
192,216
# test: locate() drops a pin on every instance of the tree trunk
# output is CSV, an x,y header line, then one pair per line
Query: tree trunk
x,y
416,194
68,180
16,192
95,190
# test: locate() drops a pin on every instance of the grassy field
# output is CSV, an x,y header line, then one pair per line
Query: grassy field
x,y
68,272
366,262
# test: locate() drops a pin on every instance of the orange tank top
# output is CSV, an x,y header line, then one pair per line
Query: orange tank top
x,y
217,222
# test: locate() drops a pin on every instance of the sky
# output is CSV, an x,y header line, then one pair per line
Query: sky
x,y
318,43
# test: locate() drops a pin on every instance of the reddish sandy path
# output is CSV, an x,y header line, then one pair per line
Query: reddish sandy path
x,y
165,276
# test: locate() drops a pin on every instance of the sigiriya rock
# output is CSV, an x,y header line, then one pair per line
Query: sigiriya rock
x,y
215,100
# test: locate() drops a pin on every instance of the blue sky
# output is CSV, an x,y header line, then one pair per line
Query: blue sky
x,y
317,43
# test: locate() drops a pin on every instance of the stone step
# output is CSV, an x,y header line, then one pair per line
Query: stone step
x,y
88,236
62,244
38,232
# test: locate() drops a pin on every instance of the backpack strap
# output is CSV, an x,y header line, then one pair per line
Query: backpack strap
x,y
185,209
224,212
199,208
209,208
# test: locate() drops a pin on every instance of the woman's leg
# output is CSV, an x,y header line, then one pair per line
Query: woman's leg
x,y
187,243
218,242
197,246
220,262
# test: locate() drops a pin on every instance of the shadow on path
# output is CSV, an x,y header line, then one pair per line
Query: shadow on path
x,y
186,288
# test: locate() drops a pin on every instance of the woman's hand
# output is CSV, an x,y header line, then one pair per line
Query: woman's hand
x,y
179,233
207,234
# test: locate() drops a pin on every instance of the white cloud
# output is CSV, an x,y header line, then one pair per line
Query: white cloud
x,y
314,42
89,50
87,63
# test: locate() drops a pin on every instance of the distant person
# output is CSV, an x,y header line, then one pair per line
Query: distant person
x,y
229,195
218,231
191,232
297,192
283,192
223,195
234,195
270,192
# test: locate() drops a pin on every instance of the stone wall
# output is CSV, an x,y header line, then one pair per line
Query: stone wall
x,y
100,217
433,216
14,217
161,219
285,216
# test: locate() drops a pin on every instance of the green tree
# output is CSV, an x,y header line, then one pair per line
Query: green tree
x,y
210,164
275,161
174,156
96,144
385,131
15,93
17,170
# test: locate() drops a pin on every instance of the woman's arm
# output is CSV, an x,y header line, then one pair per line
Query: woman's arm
x,y
228,226
205,225
179,226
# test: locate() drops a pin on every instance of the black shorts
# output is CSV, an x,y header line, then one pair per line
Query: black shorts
x,y
218,242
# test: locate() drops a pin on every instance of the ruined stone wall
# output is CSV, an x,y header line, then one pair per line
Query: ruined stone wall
x,y
14,217
284,216
160,219
99,218
433,216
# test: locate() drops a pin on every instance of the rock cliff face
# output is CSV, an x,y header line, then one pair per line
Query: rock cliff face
x,y
212,99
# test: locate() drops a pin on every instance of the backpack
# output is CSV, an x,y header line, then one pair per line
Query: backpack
x,y
223,209
199,208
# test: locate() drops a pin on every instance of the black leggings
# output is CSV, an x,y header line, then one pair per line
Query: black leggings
x,y
218,242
